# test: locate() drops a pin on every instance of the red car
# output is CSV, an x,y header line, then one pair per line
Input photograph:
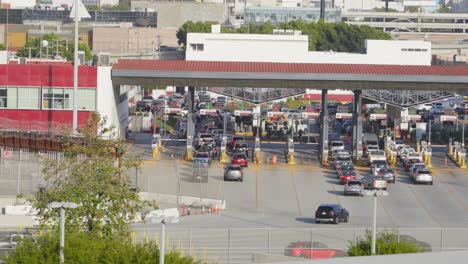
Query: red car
x,y
317,251
240,159
347,175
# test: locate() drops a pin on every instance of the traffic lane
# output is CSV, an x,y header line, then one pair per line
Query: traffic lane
x,y
404,208
360,208
456,181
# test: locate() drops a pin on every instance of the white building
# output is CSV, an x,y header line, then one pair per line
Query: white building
x,y
360,5
19,4
294,49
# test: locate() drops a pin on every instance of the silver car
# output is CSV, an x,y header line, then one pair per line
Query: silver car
x,y
374,182
353,187
423,176
233,173
416,166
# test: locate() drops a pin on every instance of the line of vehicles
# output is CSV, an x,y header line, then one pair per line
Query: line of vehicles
x,y
207,145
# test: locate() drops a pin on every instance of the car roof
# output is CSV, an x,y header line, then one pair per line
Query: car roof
x,y
330,205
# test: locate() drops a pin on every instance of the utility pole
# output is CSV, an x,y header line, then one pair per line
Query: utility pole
x,y
322,10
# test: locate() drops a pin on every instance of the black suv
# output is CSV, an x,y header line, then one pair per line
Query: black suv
x,y
333,213
241,146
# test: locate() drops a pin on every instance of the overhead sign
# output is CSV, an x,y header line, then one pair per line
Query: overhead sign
x,y
275,114
172,110
378,116
242,113
309,115
413,118
344,115
448,118
208,111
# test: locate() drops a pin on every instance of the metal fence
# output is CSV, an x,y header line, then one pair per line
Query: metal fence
x,y
20,172
242,245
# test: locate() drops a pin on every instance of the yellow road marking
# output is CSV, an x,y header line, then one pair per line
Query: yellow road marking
x,y
293,182
336,194
418,200
387,212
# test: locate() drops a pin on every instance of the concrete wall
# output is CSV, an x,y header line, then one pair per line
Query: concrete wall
x,y
293,48
247,47
106,103
145,40
174,14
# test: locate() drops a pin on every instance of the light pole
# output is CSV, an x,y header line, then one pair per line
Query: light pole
x,y
430,129
77,15
463,132
375,193
62,206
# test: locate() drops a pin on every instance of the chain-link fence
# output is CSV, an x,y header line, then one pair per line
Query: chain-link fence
x,y
245,245
20,172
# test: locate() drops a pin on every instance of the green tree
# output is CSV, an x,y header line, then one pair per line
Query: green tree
x,y
93,175
2,46
382,9
386,243
412,9
84,248
323,36
66,51
443,8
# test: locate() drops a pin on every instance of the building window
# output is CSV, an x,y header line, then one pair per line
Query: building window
x,y
28,98
19,97
3,97
57,98
87,99
197,47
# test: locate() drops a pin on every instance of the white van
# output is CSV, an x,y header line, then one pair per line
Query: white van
x,y
337,145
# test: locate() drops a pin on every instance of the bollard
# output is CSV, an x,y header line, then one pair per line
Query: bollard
x,y
446,162
274,159
183,209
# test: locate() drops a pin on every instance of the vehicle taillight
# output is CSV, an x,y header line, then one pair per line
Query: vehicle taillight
x,y
417,174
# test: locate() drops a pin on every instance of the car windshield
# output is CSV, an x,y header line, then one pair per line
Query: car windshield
x,y
379,162
342,158
202,155
377,153
386,171
354,183
424,172
237,156
377,178
234,168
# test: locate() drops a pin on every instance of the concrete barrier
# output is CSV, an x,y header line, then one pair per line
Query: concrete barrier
x,y
17,209
156,216
187,200
265,258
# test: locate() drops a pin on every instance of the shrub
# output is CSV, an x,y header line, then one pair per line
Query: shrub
x,y
86,248
386,243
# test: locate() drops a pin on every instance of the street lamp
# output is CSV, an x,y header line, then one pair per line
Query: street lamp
x,y
62,206
375,193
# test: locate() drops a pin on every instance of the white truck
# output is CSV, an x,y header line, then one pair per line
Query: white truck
x,y
377,155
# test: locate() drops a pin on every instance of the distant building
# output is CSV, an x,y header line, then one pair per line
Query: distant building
x,y
40,96
278,15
